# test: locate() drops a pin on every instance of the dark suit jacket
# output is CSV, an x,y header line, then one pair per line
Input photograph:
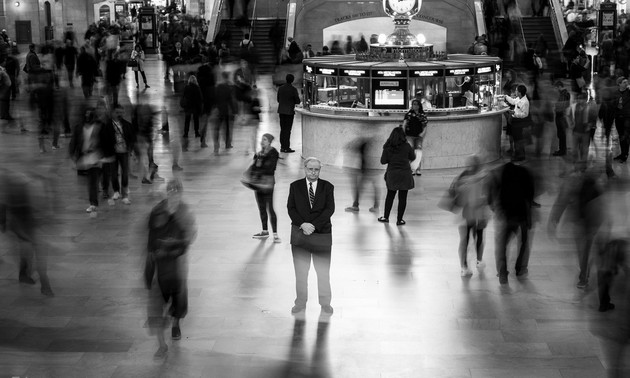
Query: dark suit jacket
x,y
300,210
288,97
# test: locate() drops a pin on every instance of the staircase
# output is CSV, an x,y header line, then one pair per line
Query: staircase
x,y
260,39
532,28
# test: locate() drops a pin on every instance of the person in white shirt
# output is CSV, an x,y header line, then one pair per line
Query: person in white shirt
x,y
520,120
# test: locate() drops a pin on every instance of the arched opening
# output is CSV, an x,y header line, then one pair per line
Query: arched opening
x,y
48,12
48,29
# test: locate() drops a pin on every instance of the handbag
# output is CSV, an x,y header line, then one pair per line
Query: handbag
x,y
256,181
132,63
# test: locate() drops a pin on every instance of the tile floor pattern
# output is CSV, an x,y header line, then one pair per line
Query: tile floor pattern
x,y
401,307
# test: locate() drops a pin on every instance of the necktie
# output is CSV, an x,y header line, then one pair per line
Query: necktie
x,y
311,194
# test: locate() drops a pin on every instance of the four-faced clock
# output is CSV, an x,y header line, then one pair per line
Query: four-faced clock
x,y
401,7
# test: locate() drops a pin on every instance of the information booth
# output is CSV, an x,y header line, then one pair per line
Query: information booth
x,y
459,95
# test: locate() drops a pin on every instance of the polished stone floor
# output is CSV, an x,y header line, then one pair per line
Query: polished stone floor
x,y
401,307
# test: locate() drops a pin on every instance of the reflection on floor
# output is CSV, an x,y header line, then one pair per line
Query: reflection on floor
x,y
401,307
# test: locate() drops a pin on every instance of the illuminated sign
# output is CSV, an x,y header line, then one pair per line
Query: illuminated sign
x,y
459,71
326,71
482,70
389,84
497,67
382,73
355,73
308,69
426,73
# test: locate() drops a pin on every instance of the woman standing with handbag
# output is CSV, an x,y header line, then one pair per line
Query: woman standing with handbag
x,y
263,171
415,129
397,154
137,55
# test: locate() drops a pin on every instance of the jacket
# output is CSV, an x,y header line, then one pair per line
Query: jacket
x,y
287,98
319,215
622,104
192,99
398,174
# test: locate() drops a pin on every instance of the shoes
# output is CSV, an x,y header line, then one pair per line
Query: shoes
x,y
161,352
374,209
559,153
401,223
276,239
137,86
176,333
157,178
146,181
126,201
116,196
229,147
297,309
111,202
287,150
503,279
27,280
481,265
261,235
522,272
383,220
418,173
535,205
327,309
352,209
177,168
466,272
582,284
91,209
146,86
203,145
55,147
606,307
47,291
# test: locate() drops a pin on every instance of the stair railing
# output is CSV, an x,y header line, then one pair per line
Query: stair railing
x,y
557,20
216,18
252,22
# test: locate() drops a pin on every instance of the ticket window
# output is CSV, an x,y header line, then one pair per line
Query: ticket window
x,y
327,91
429,89
486,89
460,91
390,94
354,92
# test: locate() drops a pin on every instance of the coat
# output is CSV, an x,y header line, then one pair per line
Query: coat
x,y
192,99
398,174
139,57
287,97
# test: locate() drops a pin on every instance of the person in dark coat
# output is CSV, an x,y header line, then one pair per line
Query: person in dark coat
x,y
287,98
511,198
87,68
125,140
13,70
206,80
69,60
398,155
265,162
192,103
172,230
113,76
226,108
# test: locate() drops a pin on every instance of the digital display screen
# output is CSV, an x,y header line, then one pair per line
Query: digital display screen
x,y
326,71
389,97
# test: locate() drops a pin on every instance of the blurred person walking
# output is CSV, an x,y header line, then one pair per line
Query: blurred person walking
x,y
226,109
263,169
70,60
622,118
363,176
469,192
584,126
32,64
87,68
562,109
206,80
398,155
192,103
287,98
138,55
12,65
87,152
311,204
18,215
5,94
125,138
415,126
511,198
172,230
113,76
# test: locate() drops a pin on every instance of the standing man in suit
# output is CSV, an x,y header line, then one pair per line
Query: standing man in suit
x,y
288,97
311,204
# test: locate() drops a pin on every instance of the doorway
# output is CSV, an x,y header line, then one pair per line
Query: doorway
x,y
23,32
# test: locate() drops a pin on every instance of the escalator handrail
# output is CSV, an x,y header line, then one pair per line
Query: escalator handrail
x,y
557,20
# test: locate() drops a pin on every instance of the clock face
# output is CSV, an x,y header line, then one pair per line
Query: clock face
x,y
401,6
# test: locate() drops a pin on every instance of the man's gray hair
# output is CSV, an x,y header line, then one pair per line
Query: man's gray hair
x,y
309,159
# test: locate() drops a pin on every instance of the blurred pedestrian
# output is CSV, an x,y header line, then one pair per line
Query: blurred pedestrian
x,y
415,126
172,230
125,138
562,109
87,68
192,103
363,176
70,60
226,109
622,118
398,155
264,169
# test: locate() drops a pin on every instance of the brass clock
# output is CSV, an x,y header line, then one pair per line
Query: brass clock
x,y
398,8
